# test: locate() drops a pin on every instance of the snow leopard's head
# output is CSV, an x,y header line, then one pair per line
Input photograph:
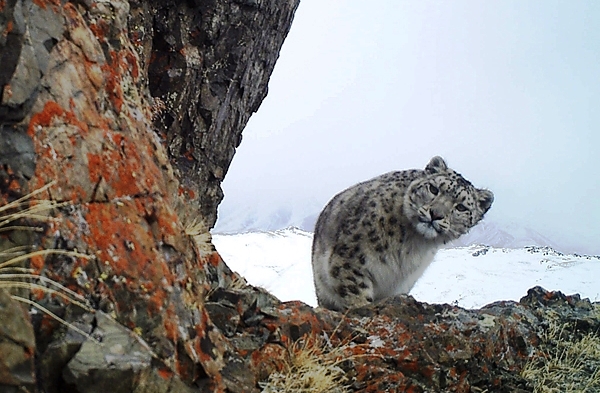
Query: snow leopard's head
x,y
442,205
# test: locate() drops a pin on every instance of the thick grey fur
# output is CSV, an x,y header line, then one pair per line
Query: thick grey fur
x,y
375,239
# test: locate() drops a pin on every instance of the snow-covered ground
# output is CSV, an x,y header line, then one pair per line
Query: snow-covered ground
x,y
278,261
470,277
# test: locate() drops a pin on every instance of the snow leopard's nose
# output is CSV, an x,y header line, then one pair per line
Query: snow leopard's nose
x,y
435,214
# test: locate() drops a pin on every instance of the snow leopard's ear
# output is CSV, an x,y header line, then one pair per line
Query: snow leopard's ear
x,y
436,165
485,199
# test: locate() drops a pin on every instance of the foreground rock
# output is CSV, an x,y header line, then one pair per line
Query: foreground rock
x,y
404,345
83,85
132,111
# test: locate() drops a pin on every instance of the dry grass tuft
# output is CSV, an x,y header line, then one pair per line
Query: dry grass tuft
x,y
10,280
199,232
311,367
314,363
26,255
564,362
33,212
195,228
26,208
238,283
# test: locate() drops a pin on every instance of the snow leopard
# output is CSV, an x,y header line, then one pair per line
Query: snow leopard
x,y
375,239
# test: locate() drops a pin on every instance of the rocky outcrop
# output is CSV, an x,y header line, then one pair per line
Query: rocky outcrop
x,y
401,345
84,85
207,65
126,116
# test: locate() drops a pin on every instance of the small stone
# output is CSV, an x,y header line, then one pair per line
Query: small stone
x,y
17,345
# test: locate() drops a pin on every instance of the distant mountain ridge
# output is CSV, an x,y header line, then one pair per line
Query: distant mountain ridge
x,y
248,217
254,217
505,236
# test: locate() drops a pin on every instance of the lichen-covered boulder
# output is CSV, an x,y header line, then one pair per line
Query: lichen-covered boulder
x,y
84,85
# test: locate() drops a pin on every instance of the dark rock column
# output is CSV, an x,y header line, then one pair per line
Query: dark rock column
x,y
208,64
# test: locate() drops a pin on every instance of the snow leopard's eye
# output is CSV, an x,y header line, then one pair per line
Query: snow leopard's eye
x,y
461,208
433,189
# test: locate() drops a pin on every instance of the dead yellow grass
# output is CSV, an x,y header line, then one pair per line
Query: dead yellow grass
x,y
311,368
564,362
12,276
199,232
26,208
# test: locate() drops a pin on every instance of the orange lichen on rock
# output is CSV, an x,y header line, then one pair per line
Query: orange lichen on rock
x,y
113,82
165,373
268,359
189,154
156,301
40,3
43,4
127,249
214,259
48,324
37,263
51,111
123,169
107,166
132,64
185,191
168,222
14,185
8,29
100,28
120,63
38,293
44,118
171,325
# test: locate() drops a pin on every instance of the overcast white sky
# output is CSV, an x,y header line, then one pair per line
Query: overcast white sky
x,y
508,92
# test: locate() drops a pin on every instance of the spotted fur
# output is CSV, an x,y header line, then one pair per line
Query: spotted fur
x,y
375,239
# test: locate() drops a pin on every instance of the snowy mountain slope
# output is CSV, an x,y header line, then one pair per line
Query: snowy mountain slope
x,y
278,261
468,276
478,275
